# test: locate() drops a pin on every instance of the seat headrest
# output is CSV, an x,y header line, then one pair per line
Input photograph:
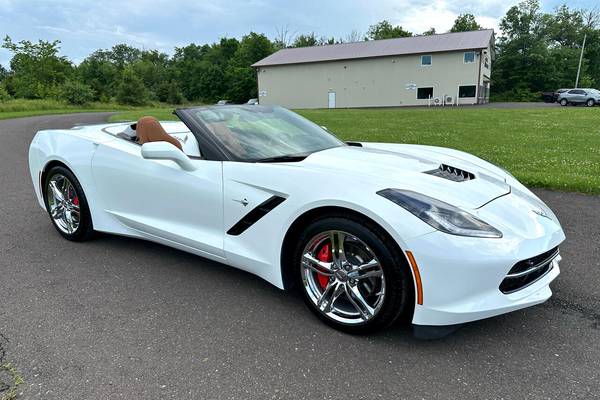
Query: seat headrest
x,y
150,130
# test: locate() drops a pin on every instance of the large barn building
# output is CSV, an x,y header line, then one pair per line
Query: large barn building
x,y
450,68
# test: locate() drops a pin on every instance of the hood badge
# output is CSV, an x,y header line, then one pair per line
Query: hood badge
x,y
541,213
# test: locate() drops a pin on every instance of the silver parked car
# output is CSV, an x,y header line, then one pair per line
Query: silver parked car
x,y
589,97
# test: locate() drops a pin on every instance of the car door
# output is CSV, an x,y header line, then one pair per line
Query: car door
x,y
161,200
576,96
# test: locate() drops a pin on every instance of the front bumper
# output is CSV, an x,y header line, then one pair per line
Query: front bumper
x,y
461,276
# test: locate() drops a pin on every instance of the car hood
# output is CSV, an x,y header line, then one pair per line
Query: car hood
x,y
413,167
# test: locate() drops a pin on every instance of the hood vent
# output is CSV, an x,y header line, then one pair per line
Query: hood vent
x,y
451,173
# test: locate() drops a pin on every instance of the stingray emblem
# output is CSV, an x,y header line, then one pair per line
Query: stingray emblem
x,y
541,213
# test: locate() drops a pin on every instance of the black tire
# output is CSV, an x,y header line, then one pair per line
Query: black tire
x,y
398,302
85,228
590,103
564,102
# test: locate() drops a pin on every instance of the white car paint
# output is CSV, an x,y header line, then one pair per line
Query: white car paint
x,y
159,201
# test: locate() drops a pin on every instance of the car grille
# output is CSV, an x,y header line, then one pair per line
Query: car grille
x,y
451,173
526,272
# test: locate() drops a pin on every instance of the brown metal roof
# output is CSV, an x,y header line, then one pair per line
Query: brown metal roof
x,y
380,48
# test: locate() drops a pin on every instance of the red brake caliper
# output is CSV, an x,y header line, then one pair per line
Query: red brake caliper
x,y
325,256
76,200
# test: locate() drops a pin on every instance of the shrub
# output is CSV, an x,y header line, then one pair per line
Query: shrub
x,y
168,92
4,96
77,93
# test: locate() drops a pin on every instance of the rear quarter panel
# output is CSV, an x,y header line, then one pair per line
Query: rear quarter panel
x,y
73,148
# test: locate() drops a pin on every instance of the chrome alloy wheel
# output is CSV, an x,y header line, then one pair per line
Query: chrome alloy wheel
x,y
343,277
63,203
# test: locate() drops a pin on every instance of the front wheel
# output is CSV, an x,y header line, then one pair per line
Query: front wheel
x,y
564,102
352,275
67,205
590,103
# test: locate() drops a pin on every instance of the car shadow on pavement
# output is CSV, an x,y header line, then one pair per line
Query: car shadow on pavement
x,y
227,290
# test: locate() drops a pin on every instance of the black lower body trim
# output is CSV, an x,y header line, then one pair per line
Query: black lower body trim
x,y
432,332
254,215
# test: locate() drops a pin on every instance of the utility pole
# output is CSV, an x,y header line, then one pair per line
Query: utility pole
x,y
580,59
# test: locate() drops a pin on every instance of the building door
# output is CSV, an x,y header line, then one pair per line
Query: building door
x,y
331,102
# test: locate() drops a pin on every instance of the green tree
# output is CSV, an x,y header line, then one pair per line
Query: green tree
x,y
122,55
77,93
240,76
307,40
153,68
37,69
429,32
169,92
131,89
4,96
524,64
242,84
100,73
385,30
465,22
253,47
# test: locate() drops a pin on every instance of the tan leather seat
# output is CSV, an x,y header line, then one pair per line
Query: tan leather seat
x,y
149,130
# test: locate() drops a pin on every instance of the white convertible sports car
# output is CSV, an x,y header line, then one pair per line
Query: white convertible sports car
x,y
369,232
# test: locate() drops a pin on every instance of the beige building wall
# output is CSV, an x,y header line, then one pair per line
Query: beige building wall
x,y
371,82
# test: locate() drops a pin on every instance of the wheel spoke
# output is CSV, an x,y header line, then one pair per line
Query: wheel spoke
x,y
337,239
337,292
370,274
57,212
371,265
326,295
65,188
320,267
359,303
56,192
68,221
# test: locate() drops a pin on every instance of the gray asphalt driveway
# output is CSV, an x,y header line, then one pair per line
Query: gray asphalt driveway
x,y
122,318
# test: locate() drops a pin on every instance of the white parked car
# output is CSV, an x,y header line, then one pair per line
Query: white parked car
x,y
369,232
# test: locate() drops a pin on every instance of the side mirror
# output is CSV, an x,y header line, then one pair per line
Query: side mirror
x,y
166,151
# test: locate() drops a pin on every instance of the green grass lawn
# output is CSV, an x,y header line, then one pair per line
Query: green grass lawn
x,y
556,148
18,108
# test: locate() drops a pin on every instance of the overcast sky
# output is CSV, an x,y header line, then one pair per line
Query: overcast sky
x,y
86,25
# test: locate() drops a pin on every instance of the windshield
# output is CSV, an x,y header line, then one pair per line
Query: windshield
x,y
254,133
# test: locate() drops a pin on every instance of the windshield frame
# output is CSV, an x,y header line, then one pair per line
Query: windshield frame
x,y
212,148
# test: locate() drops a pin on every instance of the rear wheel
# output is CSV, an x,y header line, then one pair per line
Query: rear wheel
x,y
67,205
352,276
590,103
564,102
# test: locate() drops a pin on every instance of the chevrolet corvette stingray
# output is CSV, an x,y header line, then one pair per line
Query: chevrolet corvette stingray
x,y
370,233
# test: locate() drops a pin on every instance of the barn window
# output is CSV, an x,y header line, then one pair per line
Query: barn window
x,y
426,60
469,57
424,93
466,91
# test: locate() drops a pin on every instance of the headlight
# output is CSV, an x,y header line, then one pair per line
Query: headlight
x,y
442,216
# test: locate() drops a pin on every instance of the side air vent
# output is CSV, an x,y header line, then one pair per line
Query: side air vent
x,y
451,173
253,216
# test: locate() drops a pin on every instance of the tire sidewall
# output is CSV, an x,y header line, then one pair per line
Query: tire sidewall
x,y
85,228
590,103
399,284
564,102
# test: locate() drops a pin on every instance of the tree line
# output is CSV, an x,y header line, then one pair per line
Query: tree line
x,y
535,51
